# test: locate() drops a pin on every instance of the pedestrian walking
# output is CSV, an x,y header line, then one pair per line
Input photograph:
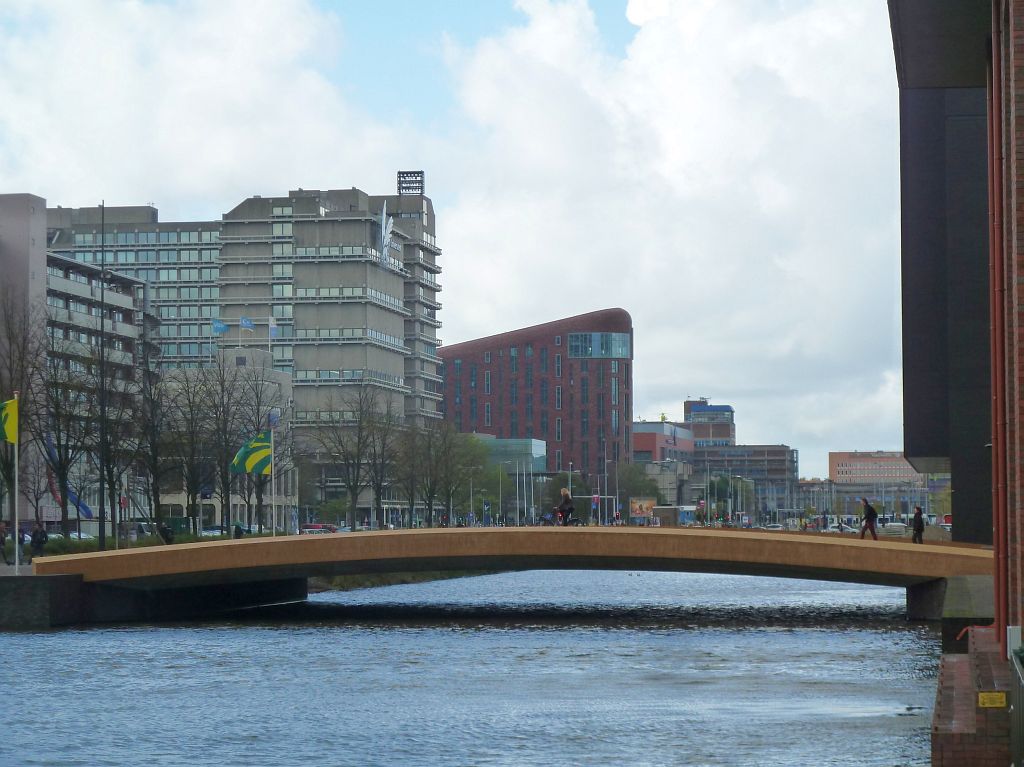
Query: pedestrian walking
x,y
3,541
918,525
870,517
38,541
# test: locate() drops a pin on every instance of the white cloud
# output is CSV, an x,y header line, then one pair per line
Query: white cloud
x,y
193,105
731,181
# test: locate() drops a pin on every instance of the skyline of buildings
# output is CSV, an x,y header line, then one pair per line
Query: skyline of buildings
x,y
336,298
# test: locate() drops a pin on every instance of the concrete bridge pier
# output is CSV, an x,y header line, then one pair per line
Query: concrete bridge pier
x,y
925,600
34,602
103,603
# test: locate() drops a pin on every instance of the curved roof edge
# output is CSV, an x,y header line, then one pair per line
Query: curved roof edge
x,y
615,320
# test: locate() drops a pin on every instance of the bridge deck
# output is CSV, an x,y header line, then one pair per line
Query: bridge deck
x,y
837,558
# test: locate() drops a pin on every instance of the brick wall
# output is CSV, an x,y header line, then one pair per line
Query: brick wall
x,y
965,734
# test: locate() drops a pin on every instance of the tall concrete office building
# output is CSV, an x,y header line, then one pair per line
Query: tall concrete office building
x,y
340,285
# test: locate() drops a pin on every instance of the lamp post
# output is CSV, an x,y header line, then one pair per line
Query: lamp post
x,y
103,377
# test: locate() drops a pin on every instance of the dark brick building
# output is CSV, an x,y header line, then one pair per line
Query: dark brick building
x,y
567,382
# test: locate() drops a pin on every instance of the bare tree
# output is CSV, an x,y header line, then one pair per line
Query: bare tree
x,y
458,456
190,436
22,351
35,482
228,409
63,421
381,453
432,439
263,406
346,440
409,466
154,457
119,442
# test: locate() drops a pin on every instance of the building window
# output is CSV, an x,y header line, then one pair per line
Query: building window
x,y
558,398
487,382
472,409
558,340
600,345
558,366
513,358
544,423
584,423
544,393
615,391
513,424
529,375
544,360
487,414
586,457
513,393
529,408
584,391
615,421
558,460
283,229
487,358
472,376
558,430
458,367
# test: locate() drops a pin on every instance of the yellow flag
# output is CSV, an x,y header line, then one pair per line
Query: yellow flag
x,y
9,420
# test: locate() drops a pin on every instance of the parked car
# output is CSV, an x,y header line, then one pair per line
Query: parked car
x,y
893,529
76,535
212,532
312,528
774,527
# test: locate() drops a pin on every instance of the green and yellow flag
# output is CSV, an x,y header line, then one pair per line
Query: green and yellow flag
x,y
254,457
9,420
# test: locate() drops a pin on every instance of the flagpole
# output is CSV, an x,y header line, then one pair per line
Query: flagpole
x,y
273,487
17,528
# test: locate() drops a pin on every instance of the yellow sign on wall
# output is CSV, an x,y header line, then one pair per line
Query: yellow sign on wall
x,y
992,700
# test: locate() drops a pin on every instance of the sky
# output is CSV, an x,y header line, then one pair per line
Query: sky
x,y
724,170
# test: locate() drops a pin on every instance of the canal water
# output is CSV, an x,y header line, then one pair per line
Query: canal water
x,y
534,668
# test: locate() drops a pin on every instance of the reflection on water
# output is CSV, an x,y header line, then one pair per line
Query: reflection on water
x,y
532,668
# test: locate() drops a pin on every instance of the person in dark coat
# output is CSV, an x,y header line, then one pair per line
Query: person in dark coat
x,y
239,532
918,525
565,509
39,539
3,541
870,517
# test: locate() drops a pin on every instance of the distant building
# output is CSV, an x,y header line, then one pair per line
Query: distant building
x,y
774,470
567,382
672,478
874,466
661,441
712,425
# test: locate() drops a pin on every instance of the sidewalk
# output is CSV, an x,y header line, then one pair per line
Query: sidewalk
x,y
26,569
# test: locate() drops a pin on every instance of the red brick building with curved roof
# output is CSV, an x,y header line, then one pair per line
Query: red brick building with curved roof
x,y
567,382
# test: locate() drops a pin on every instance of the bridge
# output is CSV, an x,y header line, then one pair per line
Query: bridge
x,y
188,579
